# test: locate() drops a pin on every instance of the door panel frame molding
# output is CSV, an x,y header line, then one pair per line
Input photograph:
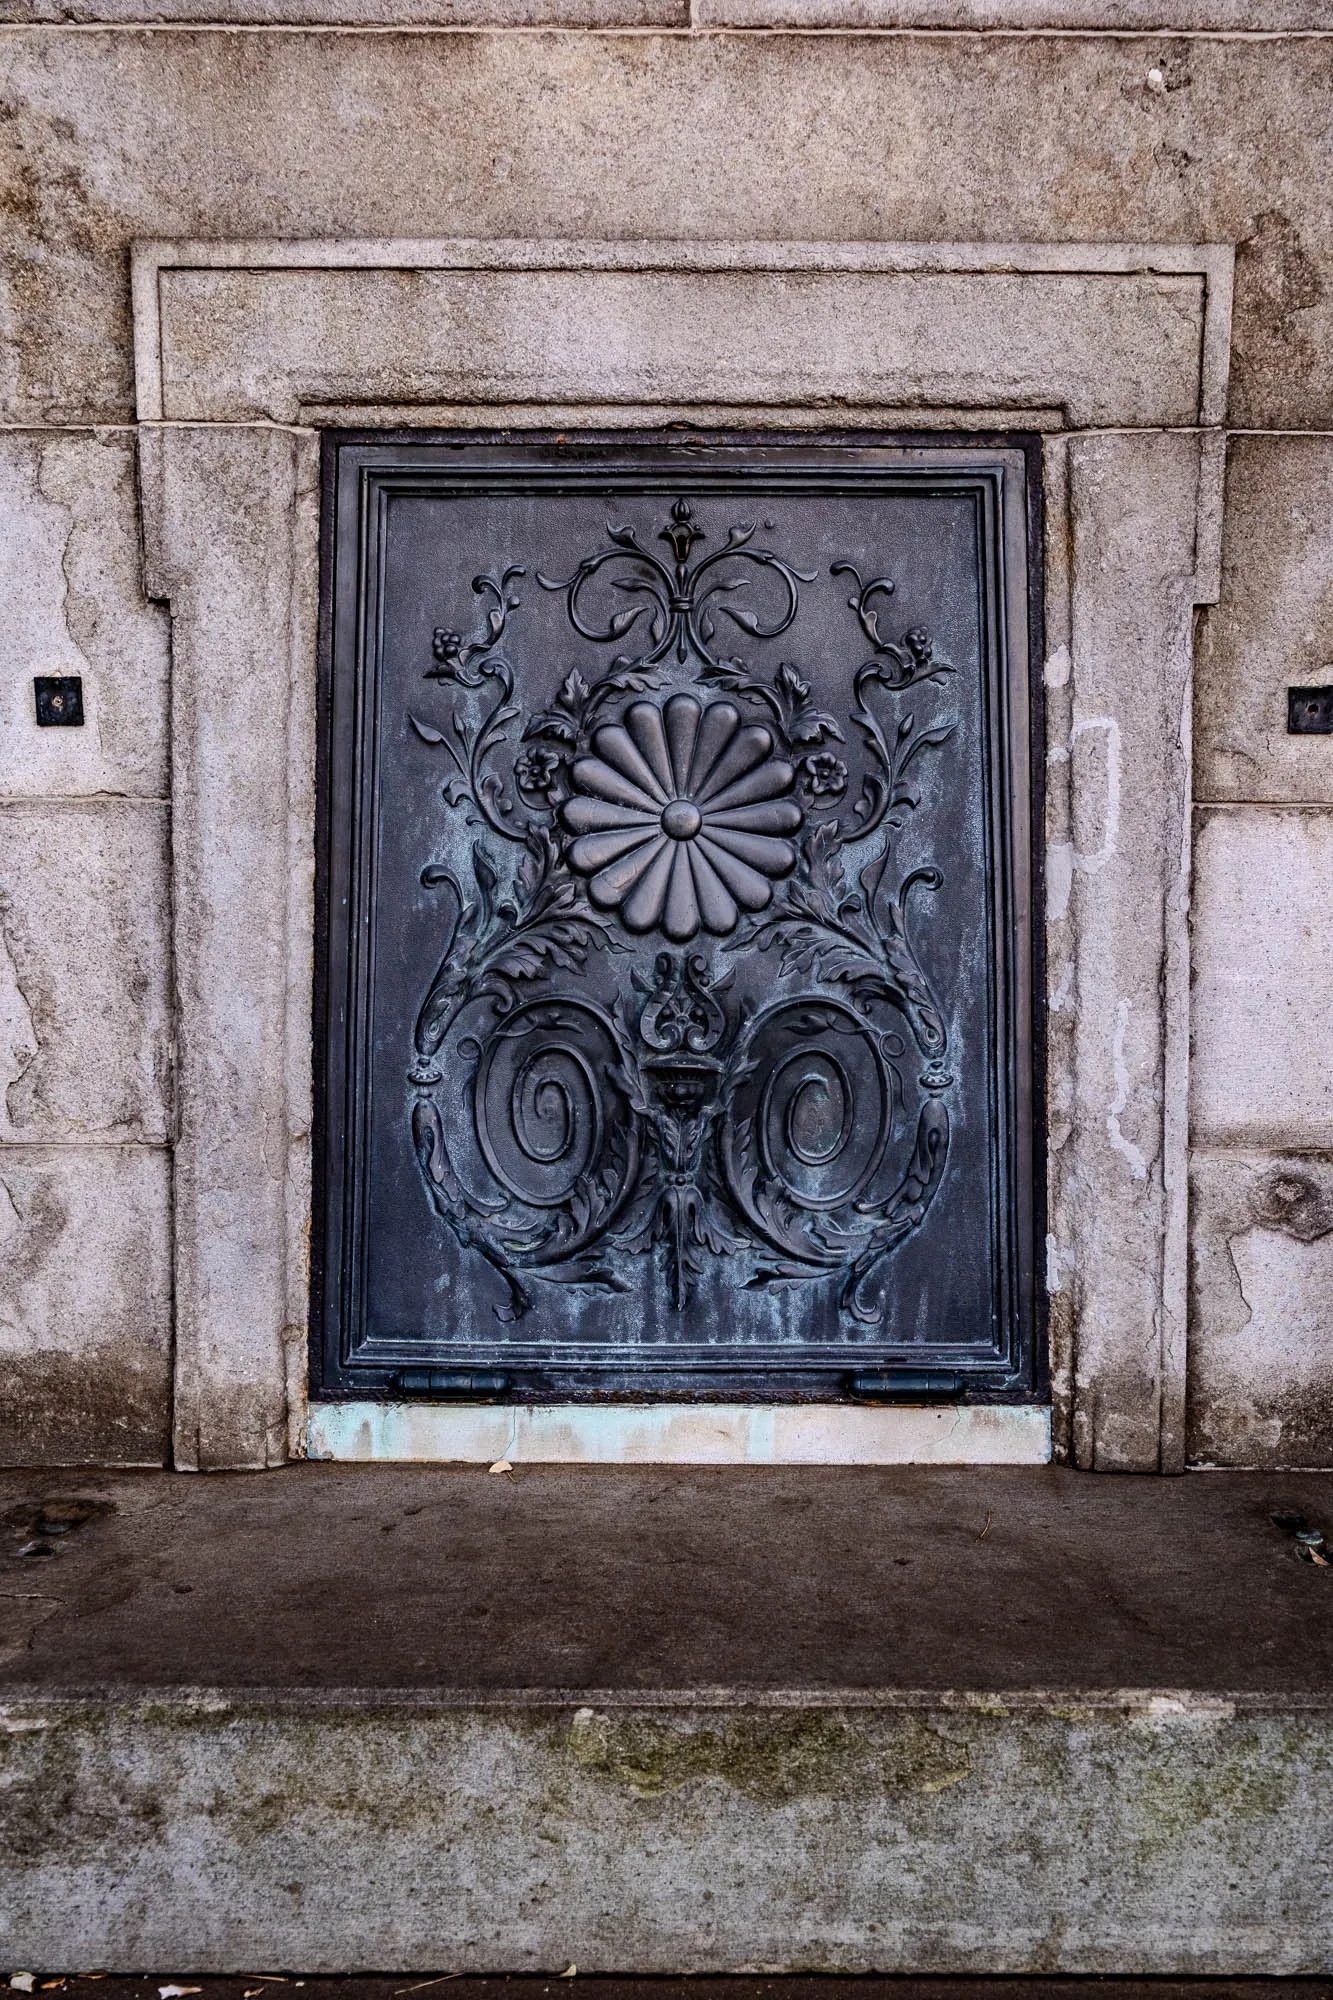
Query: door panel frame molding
x,y
1117,352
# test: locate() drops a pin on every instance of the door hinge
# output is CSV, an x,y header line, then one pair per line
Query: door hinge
x,y
906,1385
454,1385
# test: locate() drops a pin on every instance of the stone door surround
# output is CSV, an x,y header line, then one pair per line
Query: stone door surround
x,y
1117,353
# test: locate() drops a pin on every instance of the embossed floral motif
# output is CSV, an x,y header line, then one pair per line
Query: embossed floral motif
x,y
823,775
537,771
678,817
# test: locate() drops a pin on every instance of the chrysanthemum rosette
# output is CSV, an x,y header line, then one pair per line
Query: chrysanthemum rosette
x,y
679,816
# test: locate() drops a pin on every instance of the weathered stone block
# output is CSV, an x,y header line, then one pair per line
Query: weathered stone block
x,y
1122,348
1262,949
113,137
966,1833
365,13
85,1305
1116,858
1261,1320
1182,15
1273,627
74,604
232,532
85,1035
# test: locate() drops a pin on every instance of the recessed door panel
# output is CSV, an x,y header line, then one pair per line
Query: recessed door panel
x,y
675,882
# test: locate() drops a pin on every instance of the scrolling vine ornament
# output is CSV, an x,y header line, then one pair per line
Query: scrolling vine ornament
x,y
684,1117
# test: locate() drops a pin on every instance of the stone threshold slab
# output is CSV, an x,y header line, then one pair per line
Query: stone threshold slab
x,y
665,1720
678,1434
664,1581
727,1986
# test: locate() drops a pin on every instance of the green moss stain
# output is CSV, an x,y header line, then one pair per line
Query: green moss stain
x,y
1233,1799
773,1756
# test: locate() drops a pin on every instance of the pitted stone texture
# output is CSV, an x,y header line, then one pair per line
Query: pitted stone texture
x,y
238,344
1116,874
85,1306
73,604
84,949
1181,15
111,138
363,13
1272,629
1089,15
232,533
1063,1833
1261,1321
1262,948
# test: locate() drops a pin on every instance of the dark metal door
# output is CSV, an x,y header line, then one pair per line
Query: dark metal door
x,y
676,905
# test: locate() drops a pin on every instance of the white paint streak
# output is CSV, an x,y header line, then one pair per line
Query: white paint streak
x,y
1138,1166
1058,1261
1063,859
1058,668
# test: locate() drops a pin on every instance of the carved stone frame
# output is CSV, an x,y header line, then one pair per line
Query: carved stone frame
x,y
1117,353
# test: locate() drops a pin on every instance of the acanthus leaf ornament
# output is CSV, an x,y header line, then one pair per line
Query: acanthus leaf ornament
x,y
683,1119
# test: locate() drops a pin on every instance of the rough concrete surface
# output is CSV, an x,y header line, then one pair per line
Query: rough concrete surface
x,y
239,344
85,1040
396,1578
1264,15
214,1831
1184,15
111,137
1262,924
1118,805
85,1305
729,1986
232,545
666,1721
72,586
1271,630
1261,1358
364,13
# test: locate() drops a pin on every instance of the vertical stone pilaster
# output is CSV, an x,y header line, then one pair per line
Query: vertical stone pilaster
x,y
231,534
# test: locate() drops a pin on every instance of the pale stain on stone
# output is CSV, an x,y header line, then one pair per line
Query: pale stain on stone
x,y
1128,1151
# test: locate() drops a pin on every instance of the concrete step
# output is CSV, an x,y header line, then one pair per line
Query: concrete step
x,y
663,1721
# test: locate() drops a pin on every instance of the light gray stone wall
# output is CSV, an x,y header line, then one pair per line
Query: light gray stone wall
x,y
970,120
85,966
1261,1353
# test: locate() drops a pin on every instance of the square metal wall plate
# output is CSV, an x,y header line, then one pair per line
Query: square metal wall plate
x,y
58,699
677,944
1310,711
